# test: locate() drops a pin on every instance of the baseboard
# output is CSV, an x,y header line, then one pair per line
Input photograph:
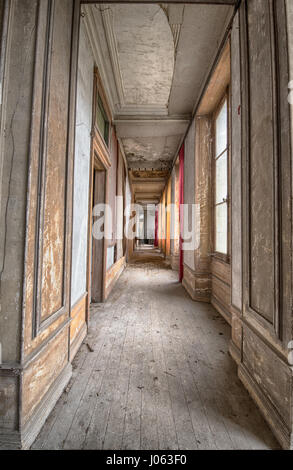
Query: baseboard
x,y
222,310
32,428
113,274
268,410
16,440
235,352
78,341
175,262
197,285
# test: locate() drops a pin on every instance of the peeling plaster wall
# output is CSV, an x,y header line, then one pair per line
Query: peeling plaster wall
x,y
189,183
173,215
290,41
14,169
151,215
82,167
128,200
236,258
112,186
119,211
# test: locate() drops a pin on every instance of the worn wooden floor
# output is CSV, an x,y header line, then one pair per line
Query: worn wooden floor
x,y
154,373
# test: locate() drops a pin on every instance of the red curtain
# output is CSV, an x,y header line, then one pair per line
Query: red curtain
x,y
181,201
156,227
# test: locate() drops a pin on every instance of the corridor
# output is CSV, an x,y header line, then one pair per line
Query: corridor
x,y
154,373
146,235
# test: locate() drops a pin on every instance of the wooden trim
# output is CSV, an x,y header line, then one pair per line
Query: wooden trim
x,y
223,256
222,309
279,327
267,408
100,89
100,160
31,429
77,342
101,155
113,274
197,284
37,169
235,353
79,309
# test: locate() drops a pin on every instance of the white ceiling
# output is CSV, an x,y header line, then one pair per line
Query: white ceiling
x,y
146,56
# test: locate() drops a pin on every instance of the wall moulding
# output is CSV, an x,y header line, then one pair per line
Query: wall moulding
x,y
265,322
266,265
49,190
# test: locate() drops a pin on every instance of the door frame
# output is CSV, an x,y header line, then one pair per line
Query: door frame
x,y
99,160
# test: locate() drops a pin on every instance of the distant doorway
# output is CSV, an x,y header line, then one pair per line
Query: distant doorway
x,y
97,264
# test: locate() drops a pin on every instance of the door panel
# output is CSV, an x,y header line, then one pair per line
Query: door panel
x,y
98,245
266,191
50,174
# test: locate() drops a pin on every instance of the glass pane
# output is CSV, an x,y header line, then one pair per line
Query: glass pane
x,y
221,178
221,228
101,120
222,130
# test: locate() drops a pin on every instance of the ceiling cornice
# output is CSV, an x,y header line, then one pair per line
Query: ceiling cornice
x,y
108,19
114,87
122,107
91,31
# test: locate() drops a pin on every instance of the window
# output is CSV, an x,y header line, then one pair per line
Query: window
x,y
221,180
102,121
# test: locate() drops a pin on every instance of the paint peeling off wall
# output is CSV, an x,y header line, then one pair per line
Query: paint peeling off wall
x,y
236,168
290,41
128,199
82,168
189,182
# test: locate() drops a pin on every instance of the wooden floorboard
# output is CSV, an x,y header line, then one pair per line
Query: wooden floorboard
x,y
154,373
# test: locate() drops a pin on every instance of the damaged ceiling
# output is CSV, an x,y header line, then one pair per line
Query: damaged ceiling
x,y
154,60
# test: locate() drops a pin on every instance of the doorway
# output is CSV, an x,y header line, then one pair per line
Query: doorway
x,y
97,264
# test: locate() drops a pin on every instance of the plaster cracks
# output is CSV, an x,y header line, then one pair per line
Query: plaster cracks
x,y
145,50
147,152
82,167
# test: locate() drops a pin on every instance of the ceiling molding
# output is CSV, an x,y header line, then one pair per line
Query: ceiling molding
x,y
158,119
174,15
150,128
142,110
108,22
114,87
122,107
96,46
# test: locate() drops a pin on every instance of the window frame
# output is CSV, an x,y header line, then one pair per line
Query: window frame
x,y
217,254
100,94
